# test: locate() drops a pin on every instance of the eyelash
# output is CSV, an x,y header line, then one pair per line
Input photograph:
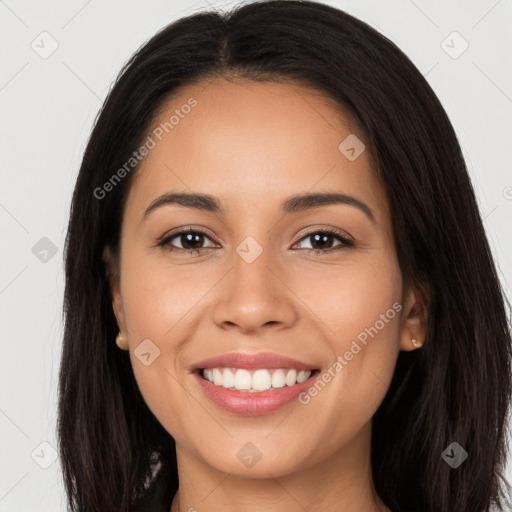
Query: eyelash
x,y
346,242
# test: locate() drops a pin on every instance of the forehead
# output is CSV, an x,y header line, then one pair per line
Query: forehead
x,y
247,141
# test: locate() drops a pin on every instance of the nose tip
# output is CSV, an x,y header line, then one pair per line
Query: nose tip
x,y
252,297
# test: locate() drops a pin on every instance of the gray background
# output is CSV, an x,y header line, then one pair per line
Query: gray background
x,y
47,107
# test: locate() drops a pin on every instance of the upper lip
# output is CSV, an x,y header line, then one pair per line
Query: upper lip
x,y
252,361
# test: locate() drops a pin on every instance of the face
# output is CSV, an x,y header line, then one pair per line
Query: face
x,y
317,282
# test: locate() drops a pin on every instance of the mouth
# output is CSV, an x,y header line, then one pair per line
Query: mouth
x,y
254,392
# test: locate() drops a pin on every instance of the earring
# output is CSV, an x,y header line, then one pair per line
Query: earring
x,y
416,343
121,341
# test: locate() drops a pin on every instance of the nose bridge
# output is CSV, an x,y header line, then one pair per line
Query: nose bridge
x,y
251,263
252,280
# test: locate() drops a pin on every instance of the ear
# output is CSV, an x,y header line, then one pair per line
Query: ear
x,y
112,271
414,317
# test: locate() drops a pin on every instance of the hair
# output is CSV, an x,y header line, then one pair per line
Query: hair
x,y
115,454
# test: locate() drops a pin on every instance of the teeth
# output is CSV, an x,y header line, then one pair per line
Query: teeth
x,y
228,380
217,377
278,379
254,380
303,375
291,377
261,380
243,380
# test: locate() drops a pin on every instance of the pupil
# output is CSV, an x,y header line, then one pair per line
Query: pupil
x,y
191,239
322,238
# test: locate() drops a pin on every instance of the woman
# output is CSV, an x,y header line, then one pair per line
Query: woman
x,y
274,221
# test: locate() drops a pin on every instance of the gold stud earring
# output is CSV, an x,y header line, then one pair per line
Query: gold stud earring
x,y
121,341
416,343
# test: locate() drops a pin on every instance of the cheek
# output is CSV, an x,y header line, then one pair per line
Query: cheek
x,y
357,308
159,303
157,297
349,298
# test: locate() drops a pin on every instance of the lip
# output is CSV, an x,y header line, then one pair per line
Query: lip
x,y
265,360
245,403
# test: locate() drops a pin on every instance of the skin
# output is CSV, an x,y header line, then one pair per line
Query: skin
x,y
252,145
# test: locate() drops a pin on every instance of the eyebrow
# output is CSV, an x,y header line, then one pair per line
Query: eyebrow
x,y
294,204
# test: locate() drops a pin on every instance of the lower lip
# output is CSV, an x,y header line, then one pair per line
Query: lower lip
x,y
257,403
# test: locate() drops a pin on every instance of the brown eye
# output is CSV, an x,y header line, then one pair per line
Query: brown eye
x,y
323,241
187,241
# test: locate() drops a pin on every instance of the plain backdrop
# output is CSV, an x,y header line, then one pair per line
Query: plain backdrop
x,y
58,60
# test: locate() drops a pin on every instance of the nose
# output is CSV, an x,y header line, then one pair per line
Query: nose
x,y
254,296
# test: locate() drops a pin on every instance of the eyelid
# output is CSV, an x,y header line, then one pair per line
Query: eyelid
x,y
186,229
331,230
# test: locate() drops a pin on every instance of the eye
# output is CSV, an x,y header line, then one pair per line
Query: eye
x,y
191,241
322,238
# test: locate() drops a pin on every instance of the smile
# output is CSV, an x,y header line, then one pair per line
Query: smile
x,y
255,392
253,384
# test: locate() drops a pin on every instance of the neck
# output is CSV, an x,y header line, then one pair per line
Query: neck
x,y
342,481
